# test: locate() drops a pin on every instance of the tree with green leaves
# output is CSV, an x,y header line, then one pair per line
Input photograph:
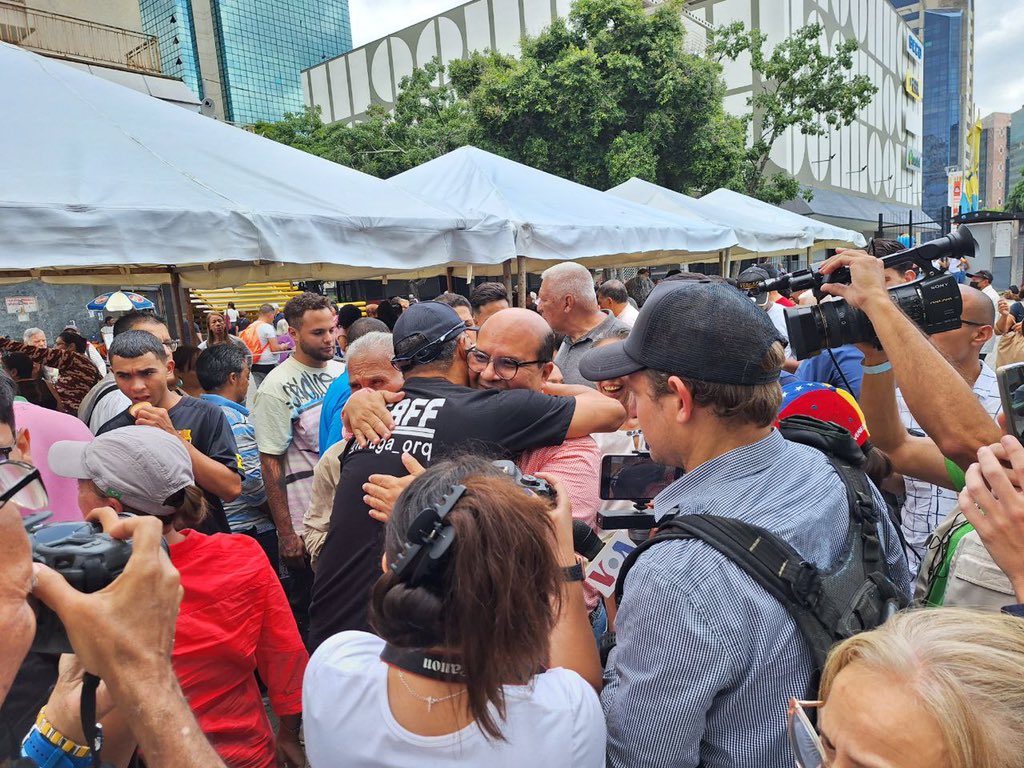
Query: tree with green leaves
x,y
428,120
1015,200
606,94
802,86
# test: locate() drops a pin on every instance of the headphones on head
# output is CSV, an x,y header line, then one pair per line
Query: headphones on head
x,y
422,356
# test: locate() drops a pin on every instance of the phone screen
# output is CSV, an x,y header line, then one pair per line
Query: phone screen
x,y
634,477
1011,390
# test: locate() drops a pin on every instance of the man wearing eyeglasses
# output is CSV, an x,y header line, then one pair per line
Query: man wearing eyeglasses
x,y
436,416
928,505
105,400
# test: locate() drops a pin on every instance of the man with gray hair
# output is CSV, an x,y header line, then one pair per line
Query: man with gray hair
x,y
568,302
369,367
35,337
612,297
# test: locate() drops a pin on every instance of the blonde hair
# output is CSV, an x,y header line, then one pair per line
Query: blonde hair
x,y
966,669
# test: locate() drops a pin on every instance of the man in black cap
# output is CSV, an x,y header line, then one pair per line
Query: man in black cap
x,y
438,416
705,655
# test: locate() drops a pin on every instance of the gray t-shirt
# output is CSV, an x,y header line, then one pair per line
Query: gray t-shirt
x,y
569,354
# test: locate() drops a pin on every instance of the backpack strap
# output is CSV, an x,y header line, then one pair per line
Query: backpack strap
x,y
771,562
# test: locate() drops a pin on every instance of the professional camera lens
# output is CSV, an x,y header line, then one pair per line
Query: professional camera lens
x,y
934,304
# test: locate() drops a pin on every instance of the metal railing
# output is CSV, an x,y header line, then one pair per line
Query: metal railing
x,y
79,39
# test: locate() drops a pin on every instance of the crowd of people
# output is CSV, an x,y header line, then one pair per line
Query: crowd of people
x,y
394,539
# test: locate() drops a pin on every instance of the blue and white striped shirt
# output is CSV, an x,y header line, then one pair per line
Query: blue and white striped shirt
x,y
706,660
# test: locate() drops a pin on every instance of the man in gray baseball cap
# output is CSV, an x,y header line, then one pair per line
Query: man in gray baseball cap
x,y
705,654
139,466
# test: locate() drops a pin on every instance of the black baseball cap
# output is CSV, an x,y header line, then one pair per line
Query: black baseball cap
x,y
701,330
751,275
424,324
981,274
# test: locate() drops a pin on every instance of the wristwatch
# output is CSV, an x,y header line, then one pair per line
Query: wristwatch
x,y
573,572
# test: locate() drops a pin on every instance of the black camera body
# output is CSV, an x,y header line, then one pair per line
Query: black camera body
x,y
86,557
527,482
933,301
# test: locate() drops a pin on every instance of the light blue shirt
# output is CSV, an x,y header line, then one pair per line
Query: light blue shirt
x,y
706,660
247,510
330,412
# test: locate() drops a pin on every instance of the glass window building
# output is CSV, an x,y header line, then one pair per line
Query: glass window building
x,y
942,105
251,71
171,22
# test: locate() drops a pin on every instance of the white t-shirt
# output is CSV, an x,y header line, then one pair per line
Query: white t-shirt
x,y
629,315
554,721
266,333
777,313
232,316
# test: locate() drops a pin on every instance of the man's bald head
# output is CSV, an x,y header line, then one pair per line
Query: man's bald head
x,y
525,322
977,307
518,335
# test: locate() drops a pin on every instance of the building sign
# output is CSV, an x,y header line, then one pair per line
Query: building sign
x,y
914,48
910,120
19,305
912,86
913,159
956,191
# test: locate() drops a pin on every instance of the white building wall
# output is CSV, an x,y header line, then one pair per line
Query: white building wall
x,y
868,157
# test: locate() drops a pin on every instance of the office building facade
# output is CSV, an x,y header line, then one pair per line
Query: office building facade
x,y
994,165
947,29
243,58
877,158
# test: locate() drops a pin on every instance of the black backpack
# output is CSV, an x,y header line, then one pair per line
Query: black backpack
x,y
827,606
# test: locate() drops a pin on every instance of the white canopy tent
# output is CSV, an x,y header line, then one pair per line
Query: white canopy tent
x,y
559,220
97,179
761,237
757,213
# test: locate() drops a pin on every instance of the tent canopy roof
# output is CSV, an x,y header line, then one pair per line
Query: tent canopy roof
x,y
760,236
94,174
557,219
753,211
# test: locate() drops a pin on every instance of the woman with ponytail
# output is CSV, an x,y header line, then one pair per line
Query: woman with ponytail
x,y
234,618
484,654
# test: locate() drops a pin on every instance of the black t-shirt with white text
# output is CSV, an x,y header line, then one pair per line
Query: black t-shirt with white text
x,y
435,420
202,424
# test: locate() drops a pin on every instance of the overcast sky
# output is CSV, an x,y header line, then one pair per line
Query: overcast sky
x,y
999,33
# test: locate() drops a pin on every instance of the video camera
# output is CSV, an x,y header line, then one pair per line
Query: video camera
x,y
932,301
528,483
86,557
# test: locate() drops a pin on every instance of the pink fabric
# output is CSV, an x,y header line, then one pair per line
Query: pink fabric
x,y
46,427
577,463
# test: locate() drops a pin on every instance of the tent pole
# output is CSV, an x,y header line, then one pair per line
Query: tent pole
x,y
506,275
184,328
449,273
521,279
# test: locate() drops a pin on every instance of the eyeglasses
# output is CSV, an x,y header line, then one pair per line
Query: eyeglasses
x,y
803,736
21,483
971,322
172,345
505,368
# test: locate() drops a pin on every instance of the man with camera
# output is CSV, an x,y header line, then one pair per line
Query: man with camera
x,y
940,399
704,653
122,634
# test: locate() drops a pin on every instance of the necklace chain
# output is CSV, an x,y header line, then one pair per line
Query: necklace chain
x,y
430,701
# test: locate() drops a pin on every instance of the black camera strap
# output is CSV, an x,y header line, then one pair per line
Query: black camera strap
x,y
424,663
87,709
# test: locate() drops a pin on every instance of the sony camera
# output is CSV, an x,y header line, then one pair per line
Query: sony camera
x,y
86,557
528,483
932,301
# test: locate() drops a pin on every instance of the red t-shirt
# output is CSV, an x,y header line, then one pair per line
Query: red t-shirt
x,y
235,619
785,302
